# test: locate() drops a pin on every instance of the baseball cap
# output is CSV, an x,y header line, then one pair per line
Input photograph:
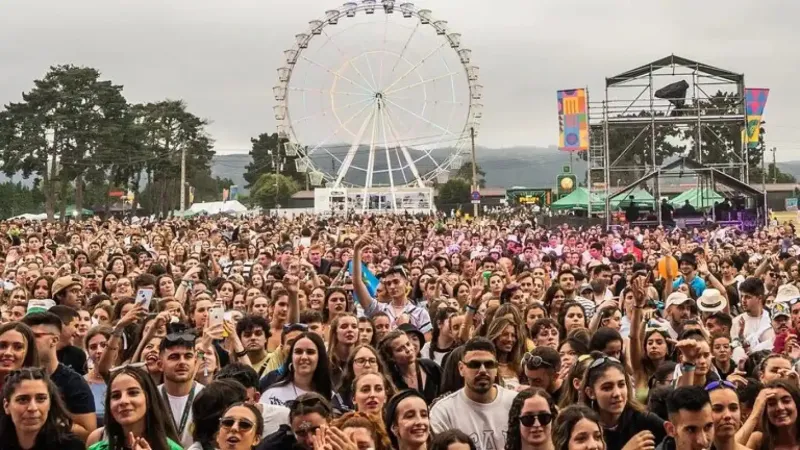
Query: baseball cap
x,y
63,283
780,309
677,298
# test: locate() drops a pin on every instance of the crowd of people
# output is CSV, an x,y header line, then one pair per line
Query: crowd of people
x,y
396,332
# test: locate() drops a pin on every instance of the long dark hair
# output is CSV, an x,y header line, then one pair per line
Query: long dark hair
x,y
209,406
443,440
321,380
349,376
158,421
451,377
31,358
56,427
562,316
769,430
566,420
513,439
442,315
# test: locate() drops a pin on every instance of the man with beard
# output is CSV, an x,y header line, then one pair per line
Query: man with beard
x,y
254,332
178,361
480,408
727,415
753,326
691,423
399,310
781,327
678,309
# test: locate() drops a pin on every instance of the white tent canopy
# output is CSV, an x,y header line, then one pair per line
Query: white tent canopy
x,y
211,208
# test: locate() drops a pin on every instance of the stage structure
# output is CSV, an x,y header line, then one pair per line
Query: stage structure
x,y
669,95
378,101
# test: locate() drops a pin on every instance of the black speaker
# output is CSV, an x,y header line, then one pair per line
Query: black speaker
x,y
676,94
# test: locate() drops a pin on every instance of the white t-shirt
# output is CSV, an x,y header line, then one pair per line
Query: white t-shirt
x,y
757,330
485,424
274,416
280,395
177,405
438,356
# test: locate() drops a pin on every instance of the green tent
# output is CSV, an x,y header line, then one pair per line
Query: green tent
x,y
700,198
578,199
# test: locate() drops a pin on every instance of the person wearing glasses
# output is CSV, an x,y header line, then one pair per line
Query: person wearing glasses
x,y
727,415
541,369
691,420
305,370
608,389
179,361
208,407
363,359
137,418
399,309
529,421
240,427
481,407
75,391
33,416
577,427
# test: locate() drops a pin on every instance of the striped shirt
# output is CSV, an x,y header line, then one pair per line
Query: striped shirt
x,y
418,317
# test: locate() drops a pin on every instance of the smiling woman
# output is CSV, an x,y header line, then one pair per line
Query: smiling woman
x,y
33,416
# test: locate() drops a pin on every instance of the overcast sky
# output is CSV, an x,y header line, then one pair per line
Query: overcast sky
x,y
221,56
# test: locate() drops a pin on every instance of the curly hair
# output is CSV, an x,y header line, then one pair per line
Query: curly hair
x,y
372,424
513,439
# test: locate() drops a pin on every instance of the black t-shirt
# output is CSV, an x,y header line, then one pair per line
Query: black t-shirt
x,y
69,442
74,390
631,423
74,358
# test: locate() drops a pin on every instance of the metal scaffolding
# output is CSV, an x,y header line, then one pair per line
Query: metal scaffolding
x,y
631,103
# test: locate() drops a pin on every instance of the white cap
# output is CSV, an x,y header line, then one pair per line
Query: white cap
x,y
677,298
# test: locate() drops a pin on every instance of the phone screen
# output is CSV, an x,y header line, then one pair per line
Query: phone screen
x,y
144,297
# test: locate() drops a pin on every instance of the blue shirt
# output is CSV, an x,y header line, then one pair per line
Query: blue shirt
x,y
698,285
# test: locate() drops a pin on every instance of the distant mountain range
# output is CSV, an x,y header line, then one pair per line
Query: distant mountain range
x,y
504,167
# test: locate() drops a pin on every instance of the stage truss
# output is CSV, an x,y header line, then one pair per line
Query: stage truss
x,y
634,93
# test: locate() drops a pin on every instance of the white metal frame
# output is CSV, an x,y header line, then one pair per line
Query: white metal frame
x,y
377,122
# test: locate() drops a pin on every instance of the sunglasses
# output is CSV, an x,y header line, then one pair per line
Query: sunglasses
x,y
603,360
476,364
181,337
720,385
295,327
529,420
533,362
229,422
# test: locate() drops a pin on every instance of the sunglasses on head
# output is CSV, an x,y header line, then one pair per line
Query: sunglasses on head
x,y
603,360
476,364
295,327
181,337
529,420
229,422
533,362
720,385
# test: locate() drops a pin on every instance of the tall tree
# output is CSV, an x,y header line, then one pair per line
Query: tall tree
x,y
269,156
465,173
169,129
57,128
272,190
454,191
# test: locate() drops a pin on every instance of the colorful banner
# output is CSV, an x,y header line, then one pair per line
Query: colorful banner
x,y
754,100
234,193
573,121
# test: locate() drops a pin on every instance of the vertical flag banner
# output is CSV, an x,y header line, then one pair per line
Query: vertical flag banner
x,y
573,121
370,280
754,100
234,193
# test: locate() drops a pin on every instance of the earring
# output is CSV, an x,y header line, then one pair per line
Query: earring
x,y
289,367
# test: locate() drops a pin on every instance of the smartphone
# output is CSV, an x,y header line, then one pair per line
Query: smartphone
x,y
144,297
216,316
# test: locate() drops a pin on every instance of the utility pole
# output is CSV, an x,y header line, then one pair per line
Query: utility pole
x,y
774,166
475,206
183,181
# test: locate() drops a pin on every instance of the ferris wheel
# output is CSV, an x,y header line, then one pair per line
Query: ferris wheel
x,y
377,94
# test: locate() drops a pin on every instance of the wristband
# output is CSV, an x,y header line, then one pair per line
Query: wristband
x,y
470,308
240,354
117,332
688,367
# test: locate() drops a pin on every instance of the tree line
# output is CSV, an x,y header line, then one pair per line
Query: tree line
x,y
78,138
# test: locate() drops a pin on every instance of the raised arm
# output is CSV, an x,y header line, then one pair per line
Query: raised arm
x,y
359,286
635,335
292,284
